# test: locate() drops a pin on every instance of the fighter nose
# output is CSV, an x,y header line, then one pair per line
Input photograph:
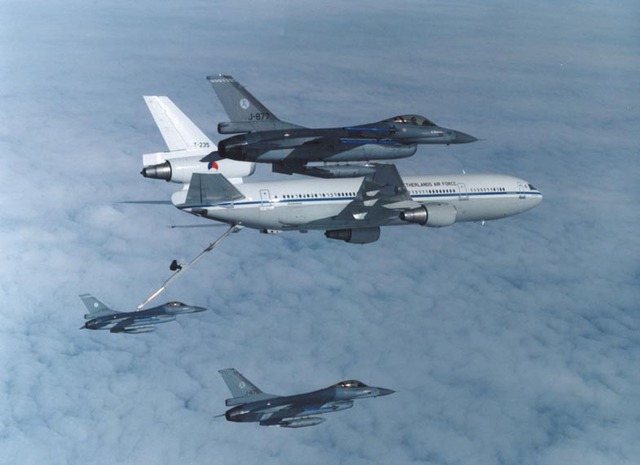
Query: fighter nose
x,y
384,392
462,138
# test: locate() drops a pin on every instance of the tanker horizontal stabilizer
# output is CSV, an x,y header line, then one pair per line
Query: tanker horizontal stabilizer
x,y
210,189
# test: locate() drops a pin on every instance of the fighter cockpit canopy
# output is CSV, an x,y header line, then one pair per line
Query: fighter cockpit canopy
x,y
351,383
175,304
411,119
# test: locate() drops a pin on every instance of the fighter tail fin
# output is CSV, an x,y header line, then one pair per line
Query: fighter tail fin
x,y
178,131
242,107
96,307
241,388
237,101
238,384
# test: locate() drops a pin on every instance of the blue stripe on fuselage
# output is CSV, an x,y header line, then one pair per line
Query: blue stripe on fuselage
x,y
416,197
364,141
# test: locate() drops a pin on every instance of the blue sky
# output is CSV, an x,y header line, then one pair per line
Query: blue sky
x,y
512,342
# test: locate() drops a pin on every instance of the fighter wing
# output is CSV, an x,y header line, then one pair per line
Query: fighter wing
x,y
381,196
132,326
338,143
256,149
280,413
298,415
300,148
314,145
338,148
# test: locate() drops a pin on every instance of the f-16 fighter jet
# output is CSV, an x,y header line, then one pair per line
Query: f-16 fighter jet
x,y
250,404
264,138
143,321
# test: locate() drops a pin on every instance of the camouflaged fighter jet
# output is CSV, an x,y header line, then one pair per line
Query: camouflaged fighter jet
x,y
250,404
142,321
264,138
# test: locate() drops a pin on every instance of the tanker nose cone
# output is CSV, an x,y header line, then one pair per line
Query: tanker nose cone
x,y
536,200
462,138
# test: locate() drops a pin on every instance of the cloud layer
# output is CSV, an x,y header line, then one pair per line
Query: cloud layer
x,y
513,342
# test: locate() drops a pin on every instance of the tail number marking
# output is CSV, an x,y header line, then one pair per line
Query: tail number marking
x,y
259,116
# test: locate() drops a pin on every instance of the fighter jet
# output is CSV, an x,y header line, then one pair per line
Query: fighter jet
x,y
143,321
250,404
264,138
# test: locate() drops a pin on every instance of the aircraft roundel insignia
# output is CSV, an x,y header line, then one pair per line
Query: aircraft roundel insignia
x,y
244,103
242,385
212,165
